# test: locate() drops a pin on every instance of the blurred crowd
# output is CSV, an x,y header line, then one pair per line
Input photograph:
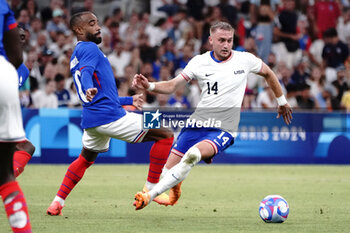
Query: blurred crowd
x,y
306,43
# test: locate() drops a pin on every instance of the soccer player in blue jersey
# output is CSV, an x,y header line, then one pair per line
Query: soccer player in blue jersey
x,y
103,117
222,75
11,129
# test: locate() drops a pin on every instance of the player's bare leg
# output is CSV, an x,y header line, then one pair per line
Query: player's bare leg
x,y
177,174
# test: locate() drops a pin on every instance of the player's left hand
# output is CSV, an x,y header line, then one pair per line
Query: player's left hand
x,y
286,112
137,101
91,93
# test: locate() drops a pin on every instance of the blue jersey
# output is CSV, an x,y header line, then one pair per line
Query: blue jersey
x,y
105,106
8,22
23,74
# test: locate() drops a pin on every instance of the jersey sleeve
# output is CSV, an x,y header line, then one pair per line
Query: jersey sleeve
x,y
23,74
189,72
89,55
10,21
255,63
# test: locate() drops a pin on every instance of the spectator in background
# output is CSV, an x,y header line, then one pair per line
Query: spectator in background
x,y
317,83
266,99
48,64
57,24
326,15
195,9
229,12
61,92
58,46
340,83
36,27
147,53
164,74
159,62
41,43
212,15
286,30
315,52
157,33
117,15
107,20
188,37
32,8
120,58
169,52
178,100
343,26
263,31
46,12
305,99
174,32
46,98
254,8
292,92
24,19
105,46
345,101
115,36
129,73
88,5
335,52
304,37
74,101
162,101
129,30
184,58
301,72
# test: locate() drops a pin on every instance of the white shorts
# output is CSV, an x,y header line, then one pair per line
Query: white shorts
x,y
11,125
129,128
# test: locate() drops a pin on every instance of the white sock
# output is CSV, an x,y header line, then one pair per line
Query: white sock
x,y
174,176
59,199
150,185
164,172
177,173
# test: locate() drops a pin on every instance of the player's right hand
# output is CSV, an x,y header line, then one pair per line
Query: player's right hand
x,y
140,82
91,93
286,112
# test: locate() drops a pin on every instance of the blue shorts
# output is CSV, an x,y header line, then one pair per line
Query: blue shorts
x,y
188,137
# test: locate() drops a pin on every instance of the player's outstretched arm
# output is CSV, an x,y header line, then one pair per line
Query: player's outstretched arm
x,y
164,87
284,108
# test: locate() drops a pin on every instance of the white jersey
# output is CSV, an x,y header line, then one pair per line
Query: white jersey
x,y
223,84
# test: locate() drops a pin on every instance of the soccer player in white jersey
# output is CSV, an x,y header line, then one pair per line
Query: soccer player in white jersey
x,y
222,76
11,126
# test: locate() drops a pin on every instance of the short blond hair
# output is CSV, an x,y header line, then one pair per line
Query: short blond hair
x,y
220,25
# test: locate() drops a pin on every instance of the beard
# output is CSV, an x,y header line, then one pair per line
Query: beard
x,y
93,38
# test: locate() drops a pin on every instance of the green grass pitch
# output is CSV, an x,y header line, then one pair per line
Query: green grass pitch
x,y
216,198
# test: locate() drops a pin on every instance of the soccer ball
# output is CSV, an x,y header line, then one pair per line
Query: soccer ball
x,y
274,208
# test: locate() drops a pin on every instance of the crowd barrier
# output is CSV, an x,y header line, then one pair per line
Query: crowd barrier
x,y
312,138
